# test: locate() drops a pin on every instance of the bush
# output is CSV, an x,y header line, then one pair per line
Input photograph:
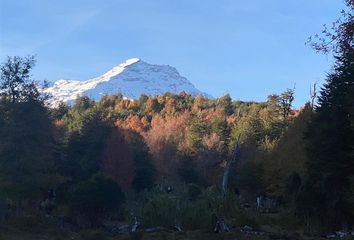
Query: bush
x,y
211,205
95,197
162,209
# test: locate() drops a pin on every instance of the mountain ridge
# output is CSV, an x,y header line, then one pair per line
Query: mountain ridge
x,y
132,78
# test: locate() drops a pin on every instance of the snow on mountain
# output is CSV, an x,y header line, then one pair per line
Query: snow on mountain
x,y
131,78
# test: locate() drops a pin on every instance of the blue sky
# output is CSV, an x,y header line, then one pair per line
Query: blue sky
x,y
247,48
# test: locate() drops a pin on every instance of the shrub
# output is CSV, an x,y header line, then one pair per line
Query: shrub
x,y
162,209
211,205
96,197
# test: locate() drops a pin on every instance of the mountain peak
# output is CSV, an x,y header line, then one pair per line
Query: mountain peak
x,y
120,68
131,78
129,62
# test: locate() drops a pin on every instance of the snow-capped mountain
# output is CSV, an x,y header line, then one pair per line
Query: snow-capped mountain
x,y
131,78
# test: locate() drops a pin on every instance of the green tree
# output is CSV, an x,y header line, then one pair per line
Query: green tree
x,y
88,130
285,101
197,130
330,144
288,158
327,194
221,127
225,104
144,167
15,79
59,111
28,161
281,104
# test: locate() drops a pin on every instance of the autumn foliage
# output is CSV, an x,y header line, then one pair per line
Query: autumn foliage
x,y
118,160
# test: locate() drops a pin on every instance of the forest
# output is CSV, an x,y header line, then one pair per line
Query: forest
x,y
177,166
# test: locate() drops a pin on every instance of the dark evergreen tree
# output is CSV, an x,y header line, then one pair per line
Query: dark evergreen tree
x,y
27,152
87,133
331,145
144,167
327,194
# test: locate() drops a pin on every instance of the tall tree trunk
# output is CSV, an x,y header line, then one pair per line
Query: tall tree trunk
x,y
231,163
